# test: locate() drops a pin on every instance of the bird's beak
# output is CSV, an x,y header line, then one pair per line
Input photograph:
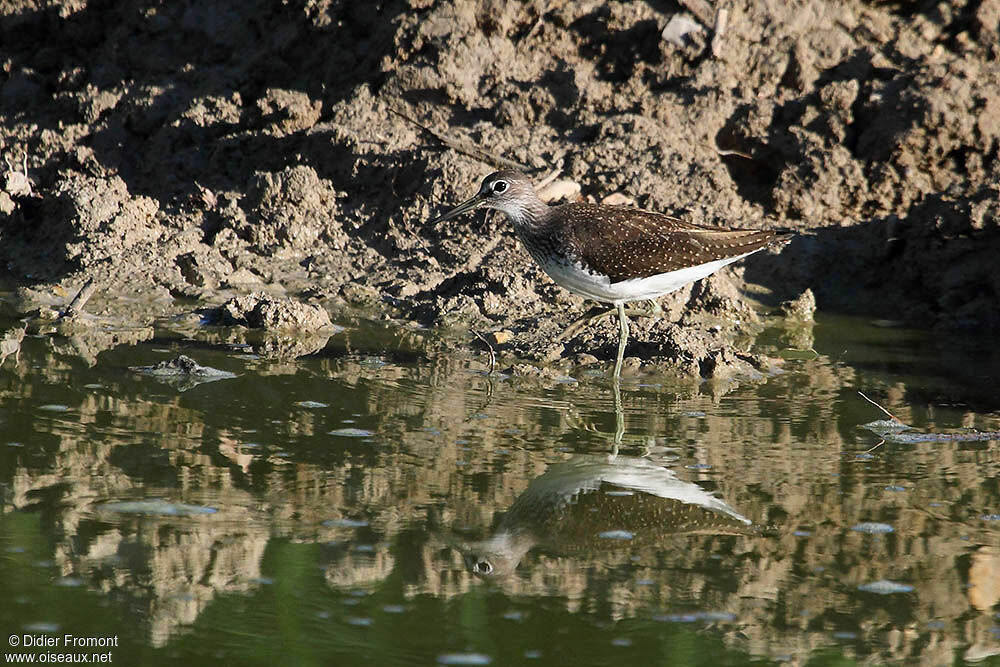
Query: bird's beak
x,y
467,205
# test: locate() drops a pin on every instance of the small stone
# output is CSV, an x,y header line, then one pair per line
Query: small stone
x,y
242,276
500,337
560,190
618,199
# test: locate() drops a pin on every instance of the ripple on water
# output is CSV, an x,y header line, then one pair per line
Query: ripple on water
x,y
41,626
345,523
464,659
156,506
885,587
872,527
312,404
351,433
359,621
616,535
68,582
709,616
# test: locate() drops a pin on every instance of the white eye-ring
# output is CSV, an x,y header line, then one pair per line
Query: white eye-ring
x,y
499,187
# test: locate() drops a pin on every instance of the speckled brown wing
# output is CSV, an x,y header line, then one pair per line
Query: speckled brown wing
x,y
629,243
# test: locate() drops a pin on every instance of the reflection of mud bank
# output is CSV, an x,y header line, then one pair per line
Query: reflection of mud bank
x,y
182,156
385,500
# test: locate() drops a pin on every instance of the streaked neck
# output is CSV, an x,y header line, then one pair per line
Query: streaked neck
x,y
526,213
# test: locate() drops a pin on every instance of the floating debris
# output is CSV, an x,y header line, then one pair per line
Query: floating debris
x,y
896,431
872,528
155,506
882,427
885,587
182,371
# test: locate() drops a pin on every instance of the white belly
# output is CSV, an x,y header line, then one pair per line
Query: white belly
x,y
600,288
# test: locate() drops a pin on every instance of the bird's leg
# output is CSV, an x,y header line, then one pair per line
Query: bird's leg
x,y
619,422
622,338
654,310
597,313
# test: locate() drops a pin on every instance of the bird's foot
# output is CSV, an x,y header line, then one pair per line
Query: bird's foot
x,y
591,315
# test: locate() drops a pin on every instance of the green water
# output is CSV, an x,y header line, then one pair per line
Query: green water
x,y
330,510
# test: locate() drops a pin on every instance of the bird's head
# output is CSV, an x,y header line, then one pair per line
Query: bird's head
x,y
508,191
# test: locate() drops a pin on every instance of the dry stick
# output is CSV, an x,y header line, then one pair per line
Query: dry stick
x,y
80,300
725,153
465,147
892,416
872,449
493,356
721,18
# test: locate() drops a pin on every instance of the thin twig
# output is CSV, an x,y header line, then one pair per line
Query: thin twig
x,y
493,356
465,147
741,154
892,416
79,301
872,449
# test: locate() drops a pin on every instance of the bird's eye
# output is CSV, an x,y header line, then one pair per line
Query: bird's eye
x,y
483,567
500,187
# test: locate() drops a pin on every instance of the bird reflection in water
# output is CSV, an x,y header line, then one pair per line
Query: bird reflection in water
x,y
590,504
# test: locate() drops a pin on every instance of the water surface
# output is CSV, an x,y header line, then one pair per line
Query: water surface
x,y
385,501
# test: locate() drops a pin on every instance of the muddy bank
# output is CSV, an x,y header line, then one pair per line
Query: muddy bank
x,y
192,152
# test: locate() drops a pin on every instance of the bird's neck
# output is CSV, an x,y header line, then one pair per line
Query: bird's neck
x,y
527,215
